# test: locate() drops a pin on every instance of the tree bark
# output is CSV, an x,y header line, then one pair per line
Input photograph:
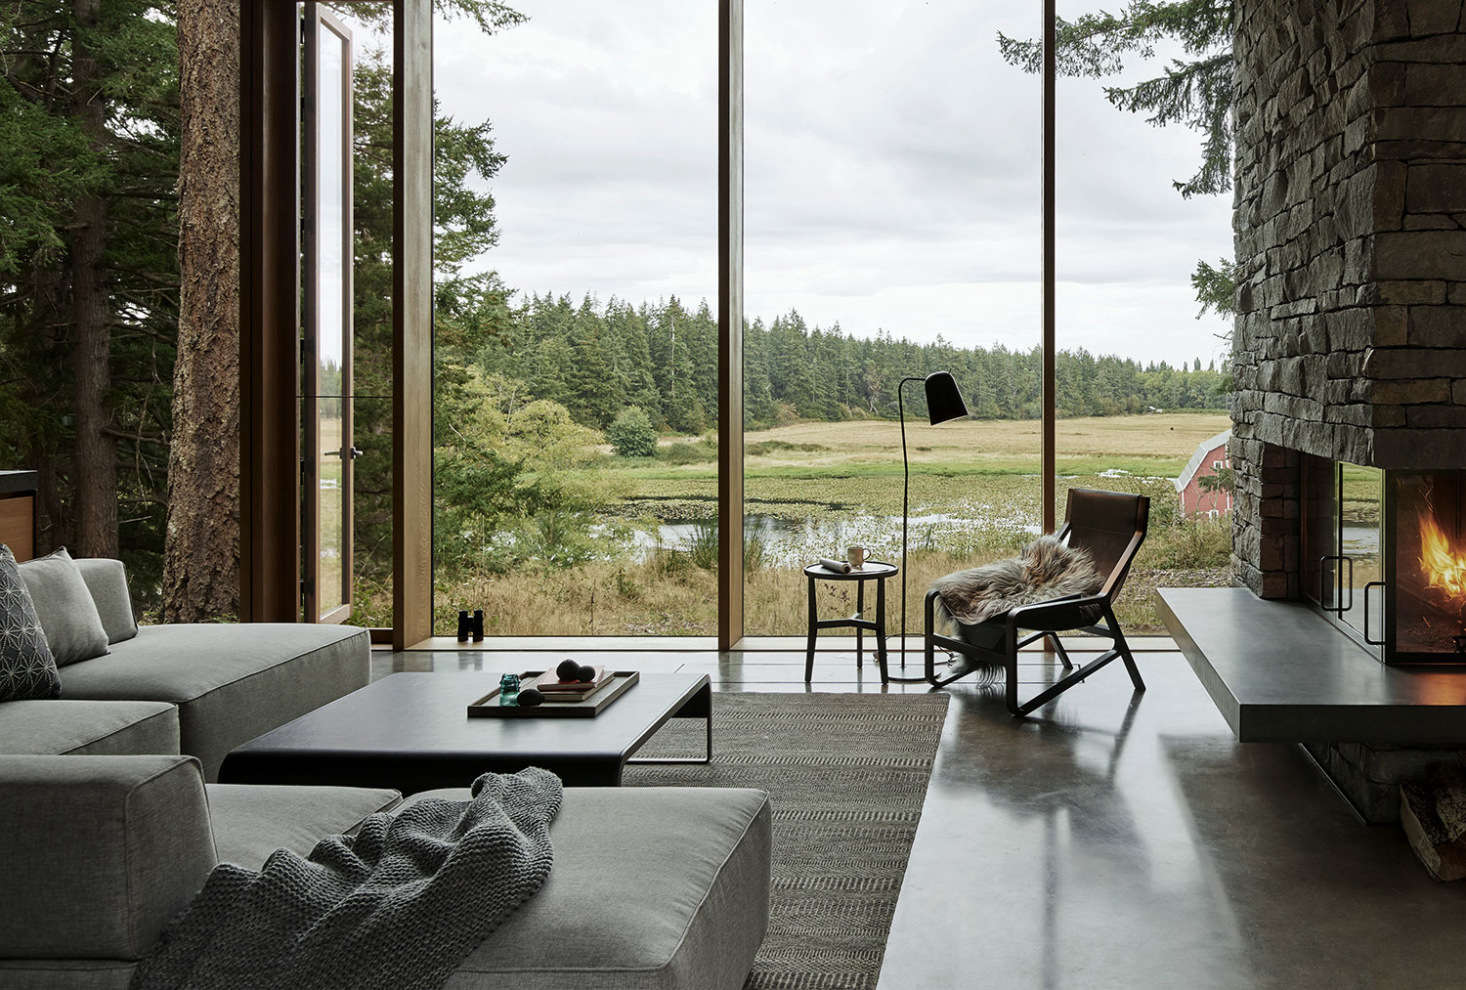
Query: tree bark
x,y
55,524
94,466
201,554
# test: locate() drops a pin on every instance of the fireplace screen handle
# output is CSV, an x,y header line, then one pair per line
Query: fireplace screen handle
x,y
1381,586
1323,573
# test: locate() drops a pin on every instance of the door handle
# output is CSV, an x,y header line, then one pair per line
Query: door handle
x,y
349,452
1340,605
1323,572
1373,584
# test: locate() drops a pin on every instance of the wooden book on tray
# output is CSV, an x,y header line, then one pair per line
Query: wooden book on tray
x,y
554,689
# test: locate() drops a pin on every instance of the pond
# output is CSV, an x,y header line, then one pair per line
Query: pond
x,y
793,542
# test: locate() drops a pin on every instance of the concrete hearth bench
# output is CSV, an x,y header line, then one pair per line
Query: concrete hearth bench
x,y
1280,673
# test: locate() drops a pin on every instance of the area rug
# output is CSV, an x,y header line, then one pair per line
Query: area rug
x,y
847,774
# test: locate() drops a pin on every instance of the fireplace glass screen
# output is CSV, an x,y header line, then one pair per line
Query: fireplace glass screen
x,y
1341,532
1427,583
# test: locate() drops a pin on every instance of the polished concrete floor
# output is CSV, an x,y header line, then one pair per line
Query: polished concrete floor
x,y
1120,840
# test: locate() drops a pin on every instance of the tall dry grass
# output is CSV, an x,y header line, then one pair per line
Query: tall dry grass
x,y
671,595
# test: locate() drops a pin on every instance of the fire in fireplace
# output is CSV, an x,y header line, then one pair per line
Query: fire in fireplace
x,y
1385,558
1428,575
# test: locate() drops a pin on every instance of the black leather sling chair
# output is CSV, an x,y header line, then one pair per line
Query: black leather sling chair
x,y
1111,526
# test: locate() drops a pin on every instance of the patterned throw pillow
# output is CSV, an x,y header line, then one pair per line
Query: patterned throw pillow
x,y
27,669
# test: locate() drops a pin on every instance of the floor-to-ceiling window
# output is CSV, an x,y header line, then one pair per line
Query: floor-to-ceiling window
x,y
893,229
576,337
1142,353
892,206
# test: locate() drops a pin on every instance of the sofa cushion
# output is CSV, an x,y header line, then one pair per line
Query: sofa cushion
x,y
66,974
664,887
27,668
107,581
230,682
90,728
100,852
253,820
73,627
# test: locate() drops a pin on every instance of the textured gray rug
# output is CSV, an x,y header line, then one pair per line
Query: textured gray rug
x,y
847,774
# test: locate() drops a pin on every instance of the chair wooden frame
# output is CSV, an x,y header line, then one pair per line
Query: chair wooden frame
x,y
1045,620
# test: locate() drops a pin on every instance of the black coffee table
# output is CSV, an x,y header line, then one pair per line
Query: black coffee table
x,y
412,732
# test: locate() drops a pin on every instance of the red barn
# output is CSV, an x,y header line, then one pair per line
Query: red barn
x,y
1210,459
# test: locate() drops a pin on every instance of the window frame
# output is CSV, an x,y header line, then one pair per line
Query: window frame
x,y
270,482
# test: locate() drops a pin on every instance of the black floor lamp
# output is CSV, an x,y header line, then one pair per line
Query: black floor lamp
x,y
943,404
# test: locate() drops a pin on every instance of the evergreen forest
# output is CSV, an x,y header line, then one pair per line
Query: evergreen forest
x,y
596,359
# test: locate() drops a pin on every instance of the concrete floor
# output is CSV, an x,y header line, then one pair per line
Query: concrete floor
x,y
1116,840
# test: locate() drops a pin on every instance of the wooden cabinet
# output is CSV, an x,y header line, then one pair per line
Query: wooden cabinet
x,y
18,512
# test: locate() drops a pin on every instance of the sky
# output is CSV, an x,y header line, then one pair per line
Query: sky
x,y
892,172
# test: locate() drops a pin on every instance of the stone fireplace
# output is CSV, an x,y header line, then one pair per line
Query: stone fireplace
x,y
1350,231
1350,336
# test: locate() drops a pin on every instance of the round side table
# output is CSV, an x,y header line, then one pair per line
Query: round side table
x,y
874,570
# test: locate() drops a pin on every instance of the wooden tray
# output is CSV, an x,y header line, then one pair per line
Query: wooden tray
x,y
621,681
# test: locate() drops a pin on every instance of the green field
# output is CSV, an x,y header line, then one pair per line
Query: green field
x,y
812,487
855,466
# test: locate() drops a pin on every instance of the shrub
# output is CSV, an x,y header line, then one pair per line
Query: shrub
x,y
632,434
762,448
684,452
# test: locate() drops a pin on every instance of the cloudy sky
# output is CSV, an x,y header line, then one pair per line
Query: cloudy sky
x,y
892,171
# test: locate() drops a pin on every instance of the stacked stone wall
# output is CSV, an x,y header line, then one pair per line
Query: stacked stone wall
x,y
1350,234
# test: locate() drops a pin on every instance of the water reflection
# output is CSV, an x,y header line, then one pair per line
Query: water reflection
x,y
793,542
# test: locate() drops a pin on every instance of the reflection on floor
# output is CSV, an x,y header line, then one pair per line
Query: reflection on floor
x,y
1116,840
834,670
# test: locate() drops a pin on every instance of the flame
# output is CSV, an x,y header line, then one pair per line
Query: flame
x,y
1443,567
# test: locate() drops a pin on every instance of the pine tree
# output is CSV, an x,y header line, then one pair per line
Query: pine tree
x,y
758,398
593,390
88,277
1195,91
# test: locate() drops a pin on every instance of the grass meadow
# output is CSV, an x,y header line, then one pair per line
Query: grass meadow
x,y
811,488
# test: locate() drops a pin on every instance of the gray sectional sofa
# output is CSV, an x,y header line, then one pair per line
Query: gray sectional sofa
x,y
225,684
664,888
228,684
107,831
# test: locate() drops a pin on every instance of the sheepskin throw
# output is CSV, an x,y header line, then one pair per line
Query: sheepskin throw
x,y
399,905
1045,569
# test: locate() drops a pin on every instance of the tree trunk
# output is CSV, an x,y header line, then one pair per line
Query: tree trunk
x,y
94,467
201,555
47,333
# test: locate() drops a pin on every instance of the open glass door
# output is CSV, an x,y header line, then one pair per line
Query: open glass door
x,y
326,318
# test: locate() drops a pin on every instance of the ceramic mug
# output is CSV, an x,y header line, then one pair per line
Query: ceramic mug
x,y
855,556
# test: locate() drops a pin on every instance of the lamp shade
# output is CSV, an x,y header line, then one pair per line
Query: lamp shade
x,y
943,401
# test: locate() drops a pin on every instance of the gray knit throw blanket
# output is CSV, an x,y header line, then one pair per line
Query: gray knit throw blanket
x,y
1045,569
399,905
